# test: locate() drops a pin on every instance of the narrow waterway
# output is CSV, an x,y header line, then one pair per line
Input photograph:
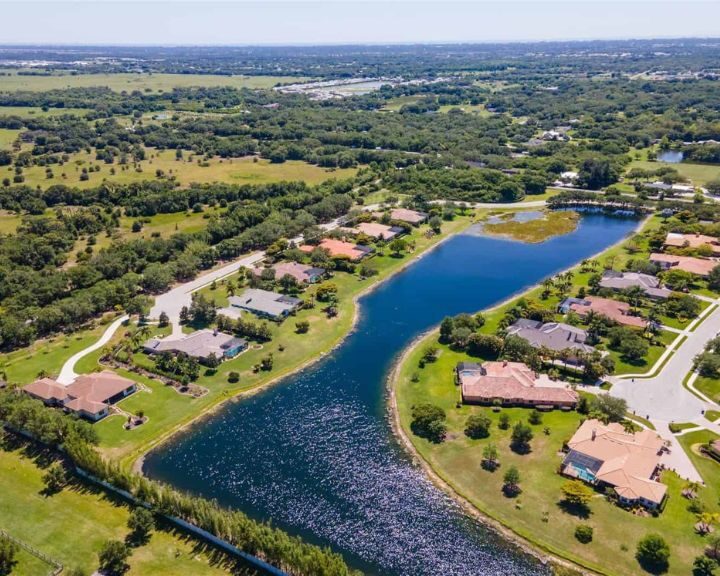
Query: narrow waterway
x,y
316,454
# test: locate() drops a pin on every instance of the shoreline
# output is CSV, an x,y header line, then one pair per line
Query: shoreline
x,y
535,549
136,459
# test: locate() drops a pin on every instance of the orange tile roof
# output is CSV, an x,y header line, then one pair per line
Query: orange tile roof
x,y
697,266
376,230
691,241
99,386
46,389
411,216
338,248
617,311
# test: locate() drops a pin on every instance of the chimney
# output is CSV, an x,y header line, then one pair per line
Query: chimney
x,y
594,434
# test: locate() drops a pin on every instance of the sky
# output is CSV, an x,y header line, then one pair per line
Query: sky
x,y
239,22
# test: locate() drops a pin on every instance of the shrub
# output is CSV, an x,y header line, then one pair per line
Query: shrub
x,y
521,436
428,421
113,557
477,426
8,551
302,327
511,482
653,554
233,377
535,418
504,421
584,533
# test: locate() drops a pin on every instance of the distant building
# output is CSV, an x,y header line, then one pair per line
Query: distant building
x,y
201,345
607,455
674,188
616,311
698,266
410,216
265,303
512,384
692,241
337,248
623,280
89,396
552,335
303,273
378,231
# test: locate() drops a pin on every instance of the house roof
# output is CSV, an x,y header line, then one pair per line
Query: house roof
x,y
339,248
692,241
265,302
377,230
553,335
98,386
627,460
301,272
616,311
698,266
406,215
46,389
511,381
622,280
198,344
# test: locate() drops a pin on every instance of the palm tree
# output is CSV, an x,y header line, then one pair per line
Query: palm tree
x,y
690,489
706,521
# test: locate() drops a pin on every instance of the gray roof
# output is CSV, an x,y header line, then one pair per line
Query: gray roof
x,y
198,344
553,335
622,280
265,302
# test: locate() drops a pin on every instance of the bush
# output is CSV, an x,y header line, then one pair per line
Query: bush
x,y
584,533
704,566
504,421
8,551
302,327
141,523
520,439
428,421
511,482
233,377
535,418
576,493
477,426
113,557
653,554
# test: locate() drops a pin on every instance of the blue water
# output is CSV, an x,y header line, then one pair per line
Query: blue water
x,y
315,453
670,156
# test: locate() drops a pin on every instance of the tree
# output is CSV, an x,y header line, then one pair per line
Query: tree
x,y
435,224
712,548
535,418
326,291
584,533
477,426
521,436
504,421
490,457
55,478
704,566
485,345
634,348
511,482
576,493
398,246
302,327
163,320
141,522
653,554
8,551
713,278
609,408
428,421
288,283
113,557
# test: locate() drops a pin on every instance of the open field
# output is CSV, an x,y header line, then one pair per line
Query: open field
x,y
698,174
474,109
72,525
7,137
536,230
232,170
144,82
37,112
537,514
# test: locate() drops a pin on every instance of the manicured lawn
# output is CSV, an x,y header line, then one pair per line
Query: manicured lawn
x,y
709,469
167,410
698,174
72,525
536,513
712,415
709,386
232,170
129,82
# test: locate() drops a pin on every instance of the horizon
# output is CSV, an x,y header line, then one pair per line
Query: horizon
x,y
351,22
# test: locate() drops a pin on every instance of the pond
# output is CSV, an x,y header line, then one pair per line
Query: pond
x,y
670,156
316,454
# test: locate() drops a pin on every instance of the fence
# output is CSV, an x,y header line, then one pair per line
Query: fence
x,y
57,567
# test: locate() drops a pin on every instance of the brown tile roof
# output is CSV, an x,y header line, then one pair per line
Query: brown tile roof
x,y
691,241
617,311
46,389
301,272
338,248
511,382
99,386
697,266
411,216
377,230
627,460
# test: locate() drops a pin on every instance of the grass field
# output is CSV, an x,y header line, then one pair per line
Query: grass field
x,y
233,171
536,514
72,525
7,137
144,82
709,386
36,111
698,174
474,109
536,230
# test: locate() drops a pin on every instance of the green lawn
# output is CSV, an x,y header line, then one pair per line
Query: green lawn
x,y
37,112
709,386
72,525
167,410
698,174
143,82
230,170
712,415
7,137
536,513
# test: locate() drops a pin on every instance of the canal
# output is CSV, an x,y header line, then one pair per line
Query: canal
x,y
315,453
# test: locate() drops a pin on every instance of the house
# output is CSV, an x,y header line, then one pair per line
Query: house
x,y
512,384
89,396
674,188
201,344
265,304
378,231
650,285
606,455
553,335
410,216
303,273
339,248
617,311
676,240
698,266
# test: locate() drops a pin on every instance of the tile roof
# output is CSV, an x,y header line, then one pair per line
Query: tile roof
x,y
691,241
553,335
698,266
339,248
616,311
377,230
46,389
622,280
406,215
99,386
198,344
265,302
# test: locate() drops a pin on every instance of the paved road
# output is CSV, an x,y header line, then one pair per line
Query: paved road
x,y
529,204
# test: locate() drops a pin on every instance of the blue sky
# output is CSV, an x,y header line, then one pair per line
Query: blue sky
x,y
349,21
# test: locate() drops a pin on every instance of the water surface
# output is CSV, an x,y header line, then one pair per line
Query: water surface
x,y
315,453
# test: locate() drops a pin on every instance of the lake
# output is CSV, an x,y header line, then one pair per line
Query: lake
x,y
316,454
670,156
